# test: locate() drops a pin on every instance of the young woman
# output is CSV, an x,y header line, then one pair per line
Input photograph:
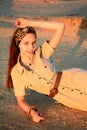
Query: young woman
x,y
30,67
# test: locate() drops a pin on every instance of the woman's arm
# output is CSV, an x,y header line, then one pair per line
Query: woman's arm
x,y
58,27
28,109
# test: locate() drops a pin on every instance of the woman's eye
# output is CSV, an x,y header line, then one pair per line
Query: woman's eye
x,y
26,43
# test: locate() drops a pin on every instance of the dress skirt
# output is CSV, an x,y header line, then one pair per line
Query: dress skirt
x,y
73,89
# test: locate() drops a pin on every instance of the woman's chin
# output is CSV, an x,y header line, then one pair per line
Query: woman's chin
x,y
30,54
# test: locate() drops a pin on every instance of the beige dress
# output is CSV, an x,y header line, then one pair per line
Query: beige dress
x,y
41,75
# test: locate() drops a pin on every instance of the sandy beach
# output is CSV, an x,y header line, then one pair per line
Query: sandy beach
x,y
72,52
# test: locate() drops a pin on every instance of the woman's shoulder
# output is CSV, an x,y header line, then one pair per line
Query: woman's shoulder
x,y
14,68
45,50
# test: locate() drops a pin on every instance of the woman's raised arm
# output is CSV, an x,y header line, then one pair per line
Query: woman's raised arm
x,y
58,27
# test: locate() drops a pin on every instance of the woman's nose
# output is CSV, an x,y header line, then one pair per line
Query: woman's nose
x,y
31,46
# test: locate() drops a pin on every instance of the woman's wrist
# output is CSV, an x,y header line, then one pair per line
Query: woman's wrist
x,y
36,116
31,111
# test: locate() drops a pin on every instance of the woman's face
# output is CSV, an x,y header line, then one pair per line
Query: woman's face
x,y
28,45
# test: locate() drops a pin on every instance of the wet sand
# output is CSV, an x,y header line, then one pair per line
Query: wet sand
x,y
72,52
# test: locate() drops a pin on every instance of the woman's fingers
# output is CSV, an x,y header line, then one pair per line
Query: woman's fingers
x,y
38,119
18,22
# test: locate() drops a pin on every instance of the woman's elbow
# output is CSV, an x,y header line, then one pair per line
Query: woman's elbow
x,y
62,26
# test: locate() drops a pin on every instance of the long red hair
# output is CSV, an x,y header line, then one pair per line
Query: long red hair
x,y
13,56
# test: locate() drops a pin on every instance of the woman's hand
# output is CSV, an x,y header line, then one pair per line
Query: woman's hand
x,y
21,23
30,110
36,117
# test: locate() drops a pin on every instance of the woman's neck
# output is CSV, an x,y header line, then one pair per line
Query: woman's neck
x,y
27,60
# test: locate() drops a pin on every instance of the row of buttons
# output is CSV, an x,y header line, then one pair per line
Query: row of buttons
x,y
44,66
74,90
31,84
